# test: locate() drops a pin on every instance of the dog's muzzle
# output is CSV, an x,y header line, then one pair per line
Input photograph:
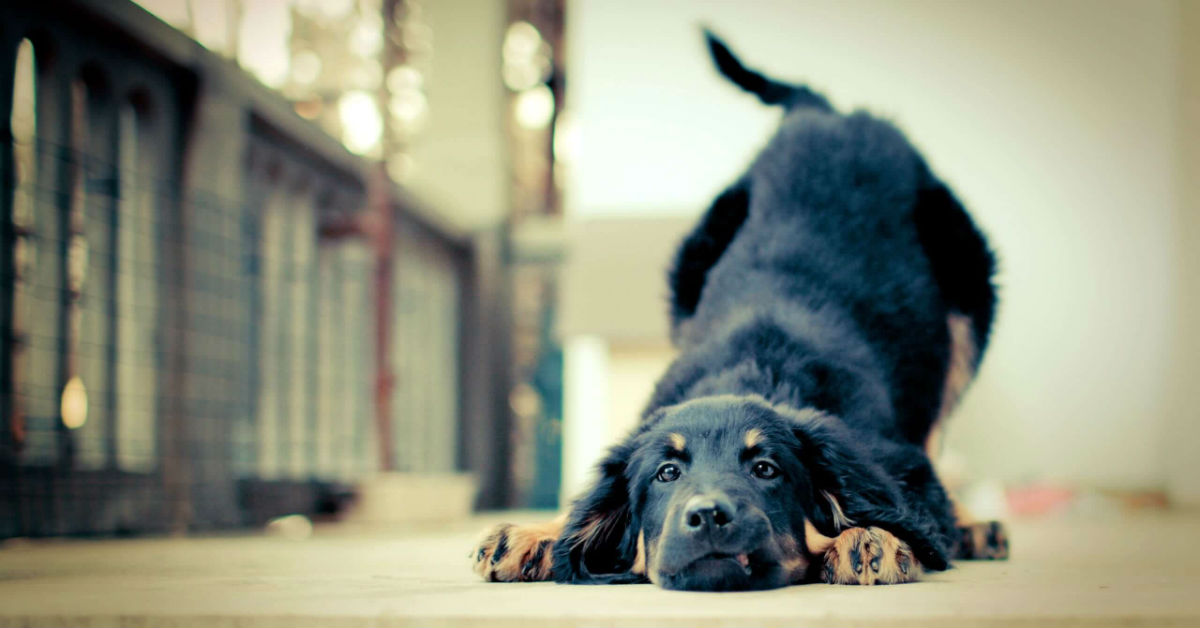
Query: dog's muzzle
x,y
714,545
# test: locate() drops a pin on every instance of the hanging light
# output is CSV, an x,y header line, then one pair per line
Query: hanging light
x,y
73,408
535,107
362,126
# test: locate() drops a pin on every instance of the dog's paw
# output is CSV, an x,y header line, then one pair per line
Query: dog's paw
x,y
869,556
987,540
509,553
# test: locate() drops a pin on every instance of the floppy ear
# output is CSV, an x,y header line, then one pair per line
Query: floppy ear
x,y
854,484
599,543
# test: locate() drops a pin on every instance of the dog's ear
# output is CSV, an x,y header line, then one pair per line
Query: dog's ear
x,y
849,487
599,545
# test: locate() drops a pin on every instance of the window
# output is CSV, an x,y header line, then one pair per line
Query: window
x,y
357,448
330,387
301,275
288,375
137,294
75,400
91,274
424,355
272,383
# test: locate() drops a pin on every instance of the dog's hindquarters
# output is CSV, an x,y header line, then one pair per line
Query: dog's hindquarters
x,y
962,267
959,257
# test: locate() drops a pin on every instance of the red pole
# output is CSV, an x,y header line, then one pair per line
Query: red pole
x,y
380,197
382,226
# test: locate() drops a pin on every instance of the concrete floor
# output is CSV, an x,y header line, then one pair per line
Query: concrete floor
x,y
1135,570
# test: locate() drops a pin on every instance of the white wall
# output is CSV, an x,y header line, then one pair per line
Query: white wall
x,y
1183,427
1055,122
459,156
607,386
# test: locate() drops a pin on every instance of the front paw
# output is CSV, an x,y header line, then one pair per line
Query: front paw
x,y
869,556
510,553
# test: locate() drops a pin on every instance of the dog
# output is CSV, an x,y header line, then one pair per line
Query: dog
x,y
830,308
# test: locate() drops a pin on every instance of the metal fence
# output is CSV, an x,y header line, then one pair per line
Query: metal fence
x,y
191,289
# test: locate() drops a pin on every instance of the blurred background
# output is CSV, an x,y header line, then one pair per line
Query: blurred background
x,y
394,261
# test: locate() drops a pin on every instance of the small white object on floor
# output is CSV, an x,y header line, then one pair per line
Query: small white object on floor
x,y
294,527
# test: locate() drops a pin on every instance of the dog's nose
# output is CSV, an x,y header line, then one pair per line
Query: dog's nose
x,y
707,512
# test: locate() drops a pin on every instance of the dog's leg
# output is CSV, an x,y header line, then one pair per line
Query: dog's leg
x,y
986,540
960,370
977,540
869,556
510,553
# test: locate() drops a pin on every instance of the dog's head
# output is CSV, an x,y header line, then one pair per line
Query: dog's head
x,y
727,493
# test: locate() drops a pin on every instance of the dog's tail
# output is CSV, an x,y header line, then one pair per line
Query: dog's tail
x,y
768,90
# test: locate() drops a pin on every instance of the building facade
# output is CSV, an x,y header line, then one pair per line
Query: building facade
x,y
210,312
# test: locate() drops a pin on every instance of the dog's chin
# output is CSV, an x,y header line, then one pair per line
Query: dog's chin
x,y
725,572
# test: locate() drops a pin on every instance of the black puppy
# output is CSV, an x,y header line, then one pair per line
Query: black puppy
x,y
830,308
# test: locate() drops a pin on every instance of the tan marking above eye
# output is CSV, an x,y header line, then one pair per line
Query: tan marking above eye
x,y
753,437
678,442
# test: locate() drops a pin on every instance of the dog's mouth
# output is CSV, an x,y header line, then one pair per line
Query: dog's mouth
x,y
725,571
719,561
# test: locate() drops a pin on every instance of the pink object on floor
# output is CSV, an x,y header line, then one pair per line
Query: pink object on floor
x,y
1038,499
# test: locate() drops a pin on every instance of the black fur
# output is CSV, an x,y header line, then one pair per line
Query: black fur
x,y
959,257
599,542
821,280
770,91
703,248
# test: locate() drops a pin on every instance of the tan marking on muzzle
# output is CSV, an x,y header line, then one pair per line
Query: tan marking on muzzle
x,y
653,561
653,568
639,563
792,561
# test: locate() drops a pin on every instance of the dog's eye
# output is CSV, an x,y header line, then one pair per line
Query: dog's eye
x,y
764,470
667,473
